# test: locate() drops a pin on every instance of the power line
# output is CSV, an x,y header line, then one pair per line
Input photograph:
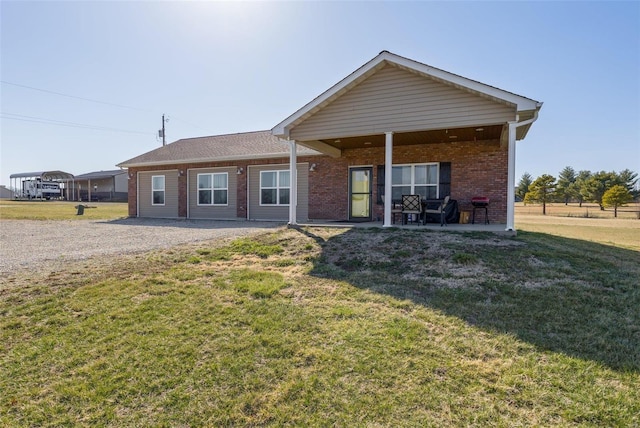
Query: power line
x,y
73,96
95,101
45,121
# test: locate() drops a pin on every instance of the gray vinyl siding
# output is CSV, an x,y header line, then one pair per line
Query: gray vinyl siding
x,y
170,207
214,211
397,100
257,212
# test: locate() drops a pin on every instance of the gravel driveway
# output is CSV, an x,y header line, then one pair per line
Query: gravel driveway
x,y
29,243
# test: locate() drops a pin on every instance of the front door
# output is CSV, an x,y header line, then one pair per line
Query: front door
x,y
360,193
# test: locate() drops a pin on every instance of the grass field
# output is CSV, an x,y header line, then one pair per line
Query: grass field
x,y
587,210
60,210
565,221
322,327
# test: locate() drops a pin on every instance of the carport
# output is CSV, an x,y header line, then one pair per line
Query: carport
x,y
17,182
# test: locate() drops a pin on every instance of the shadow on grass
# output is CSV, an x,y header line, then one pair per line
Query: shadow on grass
x,y
564,295
193,223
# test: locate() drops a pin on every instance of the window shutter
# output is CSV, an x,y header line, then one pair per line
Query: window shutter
x,y
380,184
445,179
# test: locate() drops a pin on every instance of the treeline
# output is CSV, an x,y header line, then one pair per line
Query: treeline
x,y
607,189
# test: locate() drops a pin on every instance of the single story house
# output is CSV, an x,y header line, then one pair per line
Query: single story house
x,y
392,127
109,186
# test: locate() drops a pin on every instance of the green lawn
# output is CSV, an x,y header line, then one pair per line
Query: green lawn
x,y
320,326
60,210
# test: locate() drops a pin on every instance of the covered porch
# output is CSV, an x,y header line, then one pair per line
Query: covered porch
x,y
399,126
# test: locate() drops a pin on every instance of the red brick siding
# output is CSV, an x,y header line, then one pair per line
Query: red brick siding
x,y
132,188
477,169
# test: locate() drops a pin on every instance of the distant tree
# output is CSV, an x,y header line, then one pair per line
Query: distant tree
x,y
579,184
565,190
598,183
615,197
629,179
542,190
523,185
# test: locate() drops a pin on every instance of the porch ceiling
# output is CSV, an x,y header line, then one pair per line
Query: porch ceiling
x,y
483,133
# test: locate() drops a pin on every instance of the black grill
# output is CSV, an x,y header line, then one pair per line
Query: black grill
x,y
481,202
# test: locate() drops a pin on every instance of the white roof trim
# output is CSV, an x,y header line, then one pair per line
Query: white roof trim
x,y
214,159
521,103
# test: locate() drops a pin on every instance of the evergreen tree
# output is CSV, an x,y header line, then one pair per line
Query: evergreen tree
x,y
579,184
523,185
629,179
564,188
542,190
615,197
597,184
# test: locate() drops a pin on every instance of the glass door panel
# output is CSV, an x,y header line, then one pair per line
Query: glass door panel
x,y
360,194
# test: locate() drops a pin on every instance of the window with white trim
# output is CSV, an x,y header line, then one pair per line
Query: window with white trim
x,y
274,187
416,179
213,188
157,190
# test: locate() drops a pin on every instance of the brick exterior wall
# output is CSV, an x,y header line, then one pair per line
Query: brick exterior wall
x,y
477,169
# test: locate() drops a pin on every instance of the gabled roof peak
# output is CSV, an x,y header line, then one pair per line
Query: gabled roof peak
x,y
365,71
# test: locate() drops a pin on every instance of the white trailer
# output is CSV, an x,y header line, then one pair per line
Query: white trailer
x,y
40,189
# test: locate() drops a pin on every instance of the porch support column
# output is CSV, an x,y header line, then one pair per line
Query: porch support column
x,y
388,168
511,177
293,183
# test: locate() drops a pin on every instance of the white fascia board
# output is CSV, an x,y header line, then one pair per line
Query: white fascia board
x,y
217,159
281,130
522,103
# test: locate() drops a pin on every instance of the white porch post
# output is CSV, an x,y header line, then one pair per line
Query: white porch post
x,y
511,177
293,183
388,165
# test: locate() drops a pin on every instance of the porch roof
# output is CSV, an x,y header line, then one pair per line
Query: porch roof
x,y
522,108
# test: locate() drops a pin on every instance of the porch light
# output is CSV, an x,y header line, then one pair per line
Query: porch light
x,y
313,167
239,171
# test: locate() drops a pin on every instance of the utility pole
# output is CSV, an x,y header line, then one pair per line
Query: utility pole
x,y
164,140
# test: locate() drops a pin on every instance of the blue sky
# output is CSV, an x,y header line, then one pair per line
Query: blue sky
x,y
219,67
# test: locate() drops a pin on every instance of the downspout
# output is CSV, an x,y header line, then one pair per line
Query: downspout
x,y
511,173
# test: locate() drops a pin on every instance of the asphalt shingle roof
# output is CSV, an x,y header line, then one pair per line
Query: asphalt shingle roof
x,y
96,175
247,145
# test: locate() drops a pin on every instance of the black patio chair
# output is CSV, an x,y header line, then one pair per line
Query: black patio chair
x,y
411,206
440,210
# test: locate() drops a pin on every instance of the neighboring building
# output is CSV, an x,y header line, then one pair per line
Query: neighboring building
x,y
394,126
104,186
6,193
